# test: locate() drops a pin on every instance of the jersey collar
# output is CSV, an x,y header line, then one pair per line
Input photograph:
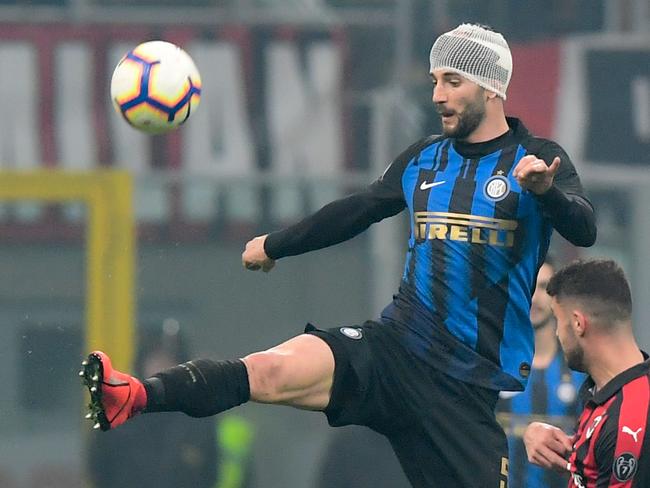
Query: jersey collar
x,y
516,132
615,384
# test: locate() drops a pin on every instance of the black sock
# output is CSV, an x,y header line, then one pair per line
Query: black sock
x,y
198,388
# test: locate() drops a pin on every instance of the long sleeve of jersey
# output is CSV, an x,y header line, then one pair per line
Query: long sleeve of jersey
x,y
345,218
336,222
565,204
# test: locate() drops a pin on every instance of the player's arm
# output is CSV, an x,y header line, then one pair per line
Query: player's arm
x,y
547,446
334,223
551,176
337,221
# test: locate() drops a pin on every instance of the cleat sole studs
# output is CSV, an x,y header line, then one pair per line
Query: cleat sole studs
x,y
92,375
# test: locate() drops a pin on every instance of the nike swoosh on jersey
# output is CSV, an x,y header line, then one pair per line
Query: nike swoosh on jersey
x,y
426,186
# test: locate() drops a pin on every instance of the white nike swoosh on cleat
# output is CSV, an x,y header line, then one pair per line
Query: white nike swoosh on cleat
x,y
426,186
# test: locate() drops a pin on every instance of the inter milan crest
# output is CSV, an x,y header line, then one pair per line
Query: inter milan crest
x,y
497,188
624,467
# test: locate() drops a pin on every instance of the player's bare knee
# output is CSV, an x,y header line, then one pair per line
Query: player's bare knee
x,y
265,376
298,372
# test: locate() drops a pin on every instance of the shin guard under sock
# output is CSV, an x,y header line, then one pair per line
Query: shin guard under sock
x,y
198,388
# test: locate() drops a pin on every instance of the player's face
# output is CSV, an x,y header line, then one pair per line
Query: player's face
x,y
573,352
460,103
540,309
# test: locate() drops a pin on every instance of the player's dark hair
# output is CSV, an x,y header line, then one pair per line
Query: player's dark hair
x,y
600,284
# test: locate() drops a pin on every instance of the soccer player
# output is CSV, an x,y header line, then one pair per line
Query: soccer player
x,y
551,395
593,307
483,199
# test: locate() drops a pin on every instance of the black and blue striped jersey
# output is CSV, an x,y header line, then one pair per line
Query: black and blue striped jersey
x,y
551,397
476,242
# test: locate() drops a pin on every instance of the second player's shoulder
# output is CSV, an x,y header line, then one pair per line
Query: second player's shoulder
x,y
633,384
625,403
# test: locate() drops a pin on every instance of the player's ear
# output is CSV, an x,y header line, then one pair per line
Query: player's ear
x,y
579,322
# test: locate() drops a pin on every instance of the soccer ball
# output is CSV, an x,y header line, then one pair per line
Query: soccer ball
x,y
156,87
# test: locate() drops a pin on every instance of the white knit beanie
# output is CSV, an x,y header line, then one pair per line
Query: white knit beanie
x,y
476,53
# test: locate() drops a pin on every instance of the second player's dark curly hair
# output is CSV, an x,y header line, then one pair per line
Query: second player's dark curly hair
x,y
599,283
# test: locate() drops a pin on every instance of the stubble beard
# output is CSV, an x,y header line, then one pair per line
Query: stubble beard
x,y
468,121
575,359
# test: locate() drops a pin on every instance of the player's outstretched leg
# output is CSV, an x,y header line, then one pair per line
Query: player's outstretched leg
x,y
199,388
114,397
298,372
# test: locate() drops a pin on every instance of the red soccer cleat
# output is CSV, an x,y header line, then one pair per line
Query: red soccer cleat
x,y
114,397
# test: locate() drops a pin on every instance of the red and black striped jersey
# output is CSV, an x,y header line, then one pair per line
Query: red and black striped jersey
x,y
612,434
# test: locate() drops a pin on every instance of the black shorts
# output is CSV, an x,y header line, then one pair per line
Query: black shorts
x,y
443,430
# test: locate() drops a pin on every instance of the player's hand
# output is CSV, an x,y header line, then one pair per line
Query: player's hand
x,y
534,174
254,256
547,446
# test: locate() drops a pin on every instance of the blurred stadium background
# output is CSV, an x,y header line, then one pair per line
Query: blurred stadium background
x,y
303,100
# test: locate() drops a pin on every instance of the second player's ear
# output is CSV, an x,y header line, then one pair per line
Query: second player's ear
x,y
579,322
